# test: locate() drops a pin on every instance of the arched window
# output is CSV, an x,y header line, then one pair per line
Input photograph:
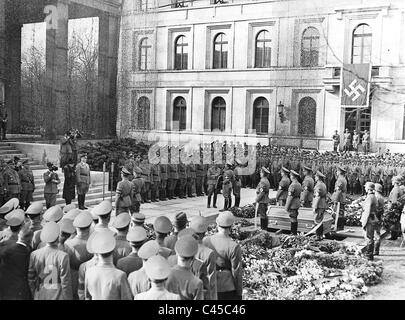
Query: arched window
x,y
307,116
143,113
310,47
179,114
261,115
220,51
218,114
144,54
181,53
361,44
263,50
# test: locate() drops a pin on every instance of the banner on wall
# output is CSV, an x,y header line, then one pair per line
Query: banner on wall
x,y
355,85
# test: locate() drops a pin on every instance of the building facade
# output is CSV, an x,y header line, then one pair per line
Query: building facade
x,y
259,71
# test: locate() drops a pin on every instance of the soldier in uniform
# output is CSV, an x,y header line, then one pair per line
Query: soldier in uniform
x,y
182,180
229,259
366,142
49,274
105,281
83,180
122,247
124,193
14,221
356,140
27,185
199,179
137,187
191,179
155,182
227,193
130,164
336,141
52,180
307,188
369,219
12,184
173,180
34,214
393,198
379,214
164,176
319,204
69,185
262,198
213,174
146,176
339,196
293,201
66,154
347,140
103,211
136,237
237,186
282,191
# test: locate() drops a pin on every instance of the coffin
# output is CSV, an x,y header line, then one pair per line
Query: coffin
x,y
279,219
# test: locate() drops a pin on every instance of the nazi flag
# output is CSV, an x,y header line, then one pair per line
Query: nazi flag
x,y
355,85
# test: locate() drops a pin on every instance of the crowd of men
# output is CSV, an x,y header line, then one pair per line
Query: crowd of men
x,y
80,254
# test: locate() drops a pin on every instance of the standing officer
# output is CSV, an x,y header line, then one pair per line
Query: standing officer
x,y
380,212
136,237
237,185
356,140
336,141
393,198
229,259
339,196
347,140
66,154
182,180
213,174
83,180
123,196
105,281
27,185
164,176
282,191
12,184
122,247
155,182
146,176
307,188
227,193
173,180
293,200
69,185
366,142
137,187
199,180
130,165
319,205
49,275
191,177
262,198
52,180
369,219
34,214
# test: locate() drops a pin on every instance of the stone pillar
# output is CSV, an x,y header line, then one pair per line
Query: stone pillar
x,y
56,71
107,74
2,49
13,76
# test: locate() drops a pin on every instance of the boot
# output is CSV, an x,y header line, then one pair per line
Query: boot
x,y
340,224
319,233
264,223
237,202
294,228
370,251
209,202
214,204
377,248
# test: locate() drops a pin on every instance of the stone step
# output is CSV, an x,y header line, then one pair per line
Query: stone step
x,y
89,196
22,156
40,188
8,151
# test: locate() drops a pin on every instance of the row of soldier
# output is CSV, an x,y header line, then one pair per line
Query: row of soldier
x,y
80,254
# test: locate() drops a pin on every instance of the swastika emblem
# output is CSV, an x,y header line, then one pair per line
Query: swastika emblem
x,y
356,91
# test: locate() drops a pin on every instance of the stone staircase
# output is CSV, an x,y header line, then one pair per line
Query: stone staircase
x,y
93,197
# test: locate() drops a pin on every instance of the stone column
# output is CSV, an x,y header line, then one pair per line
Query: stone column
x,y
56,71
2,48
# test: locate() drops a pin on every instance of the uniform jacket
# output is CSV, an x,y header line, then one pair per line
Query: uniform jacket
x,y
347,139
125,192
66,145
83,173
82,273
395,194
122,247
191,171
229,262
294,196
11,181
182,171
156,294
164,171
227,188
130,263
213,175
14,262
380,205
78,254
230,174
173,171
199,168
237,186
27,179
51,182
370,210
339,195
320,192
138,186
336,139
49,275
356,140
105,282
184,283
155,173
139,281
69,185
307,194
282,191
262,191
208,257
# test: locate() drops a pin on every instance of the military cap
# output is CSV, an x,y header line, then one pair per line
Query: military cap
x,y
294,173
225,219
342,169
121,221
66,226
50,232
186,246
265,170
162,224
93,215
82,155
83,220
35,208
15,218
5,210
125,171
13,202
72,214
378,187
157,268
136,234
320,174
138,217
199,224
53,214
49,164
103,208
370,185
180,219
69,207
186,232
308,168
285,170
148,249
103,242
